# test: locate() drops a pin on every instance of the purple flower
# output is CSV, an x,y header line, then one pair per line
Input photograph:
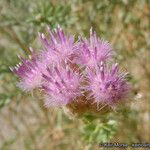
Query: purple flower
x,y
62,85
59,48
92,51
29,71
107,85
61,68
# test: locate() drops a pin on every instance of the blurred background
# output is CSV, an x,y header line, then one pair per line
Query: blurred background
x,y
24,123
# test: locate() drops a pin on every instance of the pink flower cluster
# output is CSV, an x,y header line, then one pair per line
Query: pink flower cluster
x,y
67,69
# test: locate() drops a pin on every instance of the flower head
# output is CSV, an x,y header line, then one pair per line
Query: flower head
x,y
62,85
107,85
61,68
92,51
29,71
59,48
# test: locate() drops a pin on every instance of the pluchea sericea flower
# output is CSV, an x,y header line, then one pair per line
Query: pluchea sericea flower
x,y
60,47
93,50
62,85
106,84
29,71
78,74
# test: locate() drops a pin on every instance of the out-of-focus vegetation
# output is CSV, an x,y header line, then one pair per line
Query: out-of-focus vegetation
x,y
24,122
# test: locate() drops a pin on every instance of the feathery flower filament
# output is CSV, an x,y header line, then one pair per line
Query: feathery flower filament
x,y
29,72
62,85
93,50
59,48
107,85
